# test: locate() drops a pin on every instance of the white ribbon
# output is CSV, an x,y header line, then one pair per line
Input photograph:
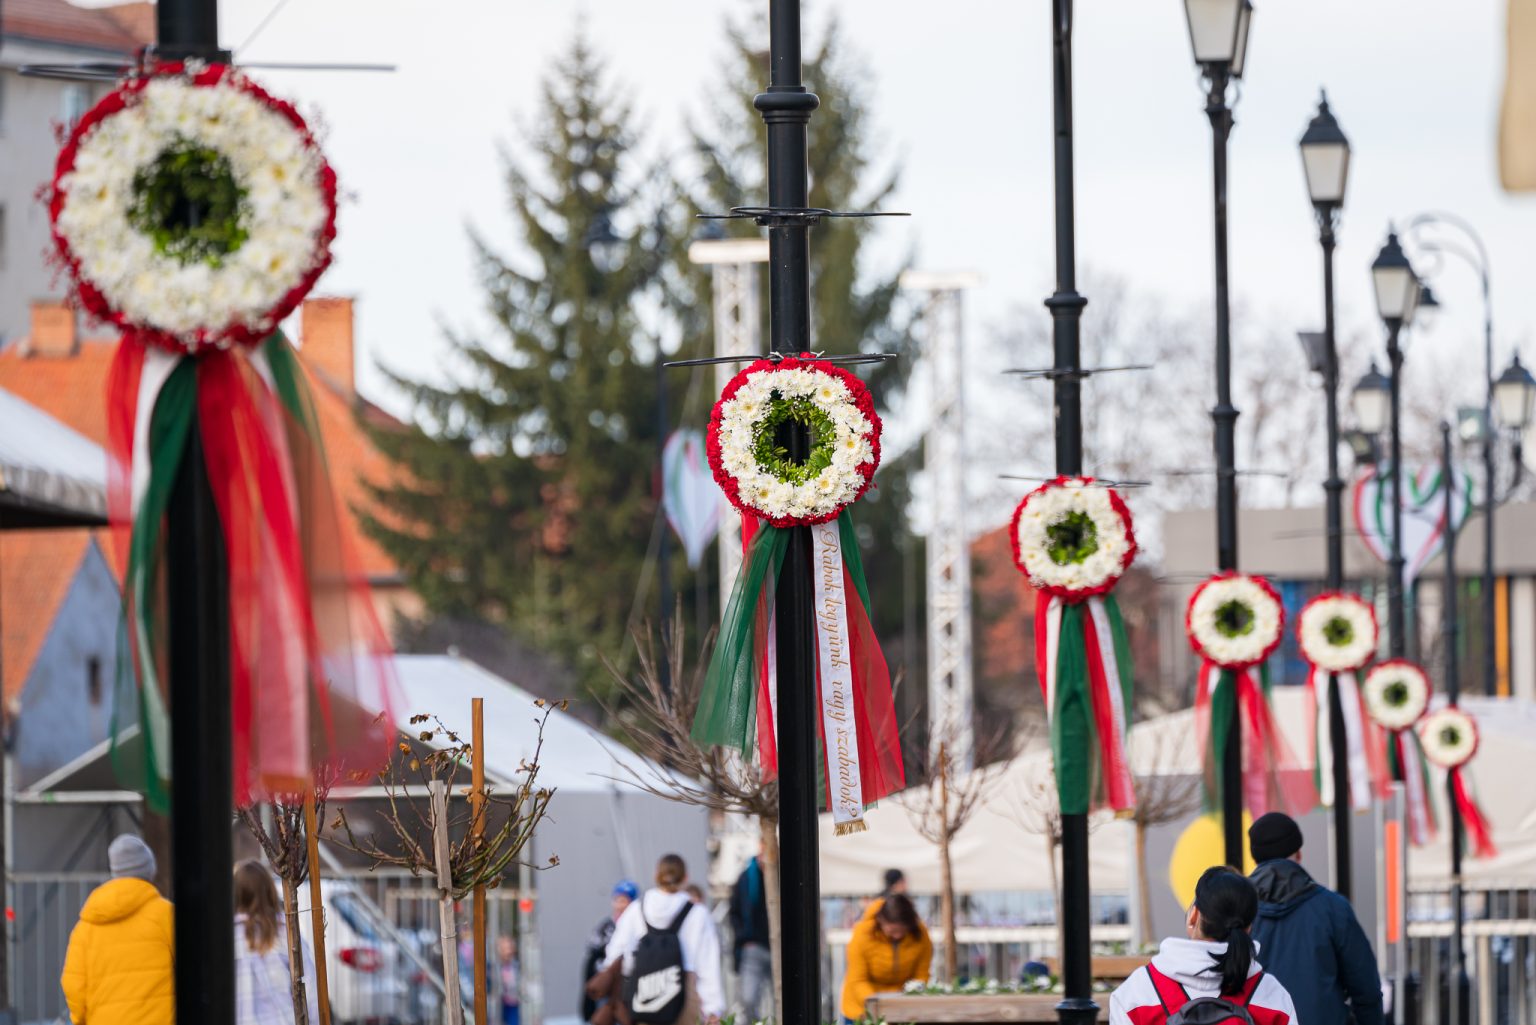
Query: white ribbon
x,y
834,650
1354,739
1052,653
1411,763
155,371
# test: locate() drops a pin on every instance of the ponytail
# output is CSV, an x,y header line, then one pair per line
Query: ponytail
x,y
1228,903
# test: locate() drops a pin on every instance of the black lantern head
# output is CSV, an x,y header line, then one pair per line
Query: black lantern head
x,y
1372,399
1218,32
1325,157
1397,289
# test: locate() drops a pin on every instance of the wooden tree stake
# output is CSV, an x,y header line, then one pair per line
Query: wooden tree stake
x,y
317,908
477,830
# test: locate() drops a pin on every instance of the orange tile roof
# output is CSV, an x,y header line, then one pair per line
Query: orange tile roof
x,y
36,569
121,29
72,389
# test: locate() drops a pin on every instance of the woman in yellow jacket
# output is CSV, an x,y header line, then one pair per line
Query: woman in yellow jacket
x,y
889,948
120,966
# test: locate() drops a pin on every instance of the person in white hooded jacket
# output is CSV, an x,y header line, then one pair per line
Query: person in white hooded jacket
x,y
1217,960
657,908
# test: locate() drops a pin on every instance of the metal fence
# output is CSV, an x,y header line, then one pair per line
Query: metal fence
x,y
1499,940
396,915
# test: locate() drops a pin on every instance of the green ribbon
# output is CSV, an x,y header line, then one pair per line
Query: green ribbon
x,y
1074,736
1223,703
726,707
170,427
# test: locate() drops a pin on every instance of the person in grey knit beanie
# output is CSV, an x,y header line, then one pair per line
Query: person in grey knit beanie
x,y
130,858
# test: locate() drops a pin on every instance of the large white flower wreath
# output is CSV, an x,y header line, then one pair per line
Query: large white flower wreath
x,y
192,207
747,450
1337,632
1449,737
1073,538
1396,693
1235,620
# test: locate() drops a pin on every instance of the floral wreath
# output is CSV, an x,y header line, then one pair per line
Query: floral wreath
x,y
193,208
1337,632
1235,620
747,454
1396,693
1449,737
1072,538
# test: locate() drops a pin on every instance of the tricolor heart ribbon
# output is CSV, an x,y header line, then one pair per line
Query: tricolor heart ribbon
x,y
860,742
310,673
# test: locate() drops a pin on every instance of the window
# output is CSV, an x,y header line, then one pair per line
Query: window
x,y
93,680
77,100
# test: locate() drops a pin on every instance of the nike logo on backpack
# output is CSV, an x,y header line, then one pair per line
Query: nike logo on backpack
x,y
653,991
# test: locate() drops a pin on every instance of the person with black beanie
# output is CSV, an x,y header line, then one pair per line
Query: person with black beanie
x,y
1312,941
1215,965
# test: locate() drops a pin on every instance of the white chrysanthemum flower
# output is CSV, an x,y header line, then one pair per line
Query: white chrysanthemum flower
x,y
1235,620
1072,537
1396,694
844,438
1337,632
282,209
1449,737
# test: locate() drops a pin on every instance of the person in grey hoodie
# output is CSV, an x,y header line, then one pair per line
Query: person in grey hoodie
x,y
1312,941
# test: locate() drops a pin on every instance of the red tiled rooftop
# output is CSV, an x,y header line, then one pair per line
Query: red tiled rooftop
x,y
71,388
120,29
36,569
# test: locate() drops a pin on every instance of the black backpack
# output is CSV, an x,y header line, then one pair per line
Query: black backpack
x,y
1210,1011
654,991
1181,1010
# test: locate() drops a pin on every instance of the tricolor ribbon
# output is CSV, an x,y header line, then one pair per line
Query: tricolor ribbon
x,y
1083,658
309,669
1472,817
1365,761
860,743
1405,761
1273,779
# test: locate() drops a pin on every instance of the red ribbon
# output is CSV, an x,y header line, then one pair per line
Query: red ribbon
x,y
1273,779
881,771
1478,830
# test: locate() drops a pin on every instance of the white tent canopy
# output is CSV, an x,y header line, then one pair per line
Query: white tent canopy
x,y
50,475
996,853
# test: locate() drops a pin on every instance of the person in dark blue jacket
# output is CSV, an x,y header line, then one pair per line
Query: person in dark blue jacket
x,y
1308,935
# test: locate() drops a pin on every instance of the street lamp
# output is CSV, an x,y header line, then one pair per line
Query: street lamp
x,y
1372,402
1218,35
1218,32
1514,395
1325,161
1325,158
1397,296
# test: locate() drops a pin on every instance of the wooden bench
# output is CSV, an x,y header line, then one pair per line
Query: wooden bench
x,y
901,1009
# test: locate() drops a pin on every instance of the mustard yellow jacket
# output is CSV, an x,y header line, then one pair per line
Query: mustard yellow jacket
x,y
876,965
119,967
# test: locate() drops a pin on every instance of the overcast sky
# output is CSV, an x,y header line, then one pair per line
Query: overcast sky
x,y
962,99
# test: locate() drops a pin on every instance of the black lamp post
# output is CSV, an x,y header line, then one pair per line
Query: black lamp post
x,y
1514,401
1397,296
1218,34
1066,306
1325,160
197,600
786,107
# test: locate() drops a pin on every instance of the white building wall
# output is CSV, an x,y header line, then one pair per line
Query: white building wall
x,y
31,109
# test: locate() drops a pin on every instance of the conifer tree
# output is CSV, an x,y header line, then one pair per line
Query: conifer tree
x,y
528,497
